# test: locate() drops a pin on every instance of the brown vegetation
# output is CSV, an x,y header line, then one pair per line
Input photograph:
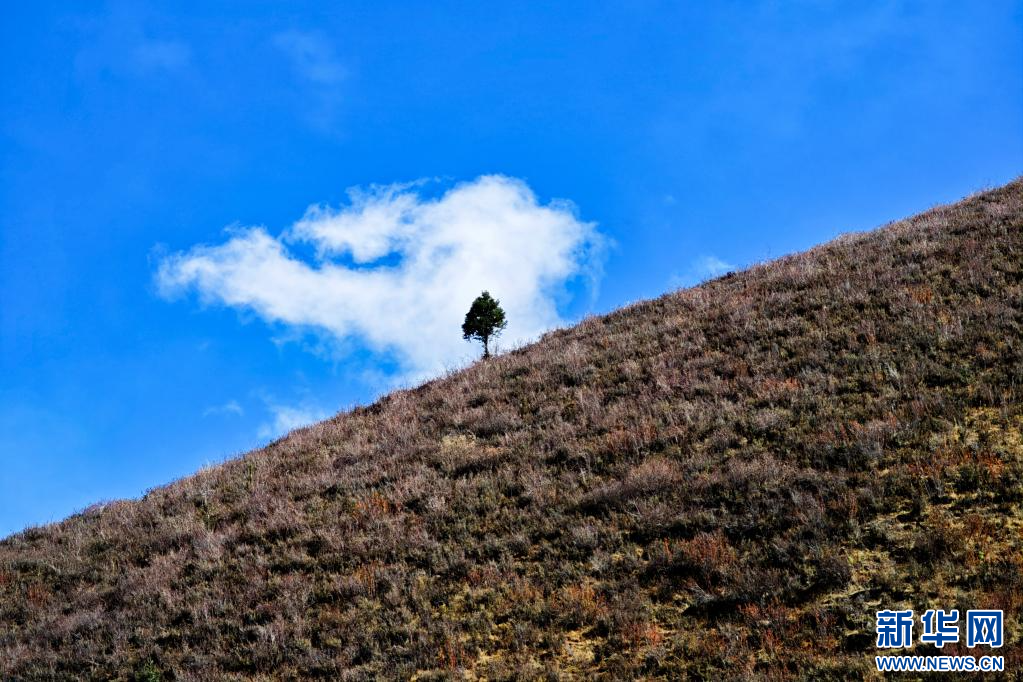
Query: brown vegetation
x,y
724,482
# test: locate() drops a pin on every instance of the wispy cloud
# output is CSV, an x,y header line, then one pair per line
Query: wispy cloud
x,y
701,269
231,407
285,418
312,56
320,74
394,271
129,40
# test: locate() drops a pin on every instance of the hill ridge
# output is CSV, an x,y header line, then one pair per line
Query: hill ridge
x,y
694,485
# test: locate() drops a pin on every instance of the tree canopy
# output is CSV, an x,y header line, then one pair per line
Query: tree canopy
x,y
484,320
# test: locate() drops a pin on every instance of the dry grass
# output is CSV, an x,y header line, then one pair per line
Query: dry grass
x,y
726,481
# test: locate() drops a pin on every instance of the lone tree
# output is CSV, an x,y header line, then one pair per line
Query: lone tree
x,y
484,320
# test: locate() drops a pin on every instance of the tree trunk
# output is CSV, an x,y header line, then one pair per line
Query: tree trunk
x,y
486,347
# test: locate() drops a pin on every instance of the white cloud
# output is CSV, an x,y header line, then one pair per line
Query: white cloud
x,y
287,418
396,271
711,266
228,408
702,269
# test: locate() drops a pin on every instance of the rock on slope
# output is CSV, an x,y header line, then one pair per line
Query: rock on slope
x,y
724,482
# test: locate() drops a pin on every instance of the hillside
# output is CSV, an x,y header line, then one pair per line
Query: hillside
x,y
725,482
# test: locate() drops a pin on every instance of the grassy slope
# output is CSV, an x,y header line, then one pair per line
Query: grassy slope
x,y
725,481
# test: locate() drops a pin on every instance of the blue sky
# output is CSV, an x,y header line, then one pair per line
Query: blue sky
x,y
185,271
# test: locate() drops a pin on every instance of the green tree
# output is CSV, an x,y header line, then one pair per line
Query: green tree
x,y
484,320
